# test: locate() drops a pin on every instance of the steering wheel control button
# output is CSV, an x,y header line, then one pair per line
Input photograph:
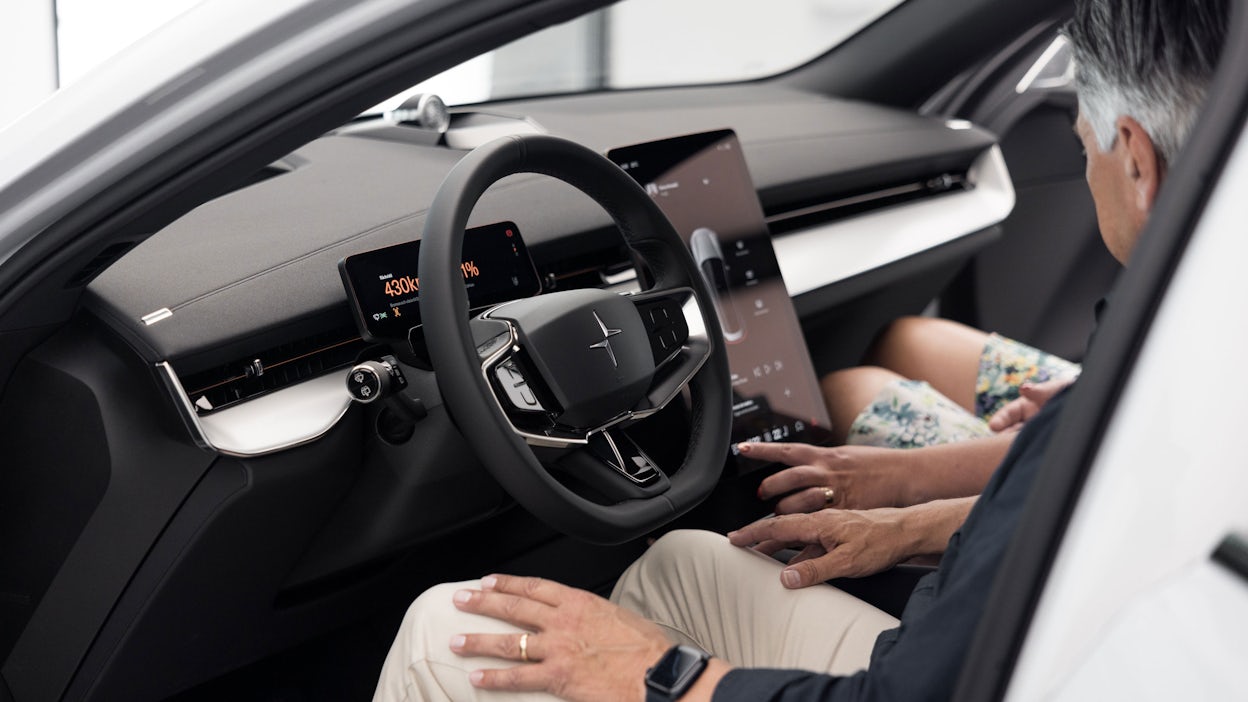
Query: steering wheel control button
x,y
516,387
620,453
666,328
638,467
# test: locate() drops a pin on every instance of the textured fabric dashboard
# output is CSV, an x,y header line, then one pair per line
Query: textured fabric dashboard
x,y
263,258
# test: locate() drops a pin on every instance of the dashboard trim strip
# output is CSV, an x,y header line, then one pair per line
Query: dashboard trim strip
x,y
182,401
284,419
822,255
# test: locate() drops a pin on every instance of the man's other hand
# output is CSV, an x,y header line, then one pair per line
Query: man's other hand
x,y
844,543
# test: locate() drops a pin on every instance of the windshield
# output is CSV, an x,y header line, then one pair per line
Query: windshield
x,y
653,43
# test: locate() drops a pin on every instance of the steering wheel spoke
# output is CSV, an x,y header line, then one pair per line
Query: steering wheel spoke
x,y
613,468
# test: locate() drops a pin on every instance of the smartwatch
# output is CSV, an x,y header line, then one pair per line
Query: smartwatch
x,y
675,673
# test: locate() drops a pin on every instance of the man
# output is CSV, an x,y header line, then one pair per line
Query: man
x,y
1144,67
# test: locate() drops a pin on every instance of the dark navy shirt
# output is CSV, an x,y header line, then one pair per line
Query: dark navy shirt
x,y
921,659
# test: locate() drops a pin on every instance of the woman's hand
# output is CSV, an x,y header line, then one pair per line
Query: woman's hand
x,y
849,477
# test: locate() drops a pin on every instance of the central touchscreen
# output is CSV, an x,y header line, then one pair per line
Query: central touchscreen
x,y
702,185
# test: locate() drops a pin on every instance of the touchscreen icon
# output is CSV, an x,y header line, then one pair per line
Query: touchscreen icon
x,y
707,253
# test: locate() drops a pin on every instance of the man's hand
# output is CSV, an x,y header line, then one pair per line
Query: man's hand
x,y
841,543
859,477
581,647
1032,398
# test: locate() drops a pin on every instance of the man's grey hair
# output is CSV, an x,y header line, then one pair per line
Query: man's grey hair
x,y
1152,60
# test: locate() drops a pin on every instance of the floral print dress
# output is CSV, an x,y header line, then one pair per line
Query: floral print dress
x,y
912,414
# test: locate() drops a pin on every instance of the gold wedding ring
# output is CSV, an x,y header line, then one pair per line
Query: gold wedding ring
x,y
829,496
524,647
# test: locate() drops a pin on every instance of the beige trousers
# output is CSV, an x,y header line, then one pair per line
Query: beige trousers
x,y
698,587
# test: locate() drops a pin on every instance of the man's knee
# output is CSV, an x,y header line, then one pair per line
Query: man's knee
x,y
684,551
433,609
679,541
680,546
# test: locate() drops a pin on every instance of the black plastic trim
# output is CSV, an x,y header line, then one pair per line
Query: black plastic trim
x,y
990,662
919,47
1233,553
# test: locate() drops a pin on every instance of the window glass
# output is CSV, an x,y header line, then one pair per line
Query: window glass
x,y
650,43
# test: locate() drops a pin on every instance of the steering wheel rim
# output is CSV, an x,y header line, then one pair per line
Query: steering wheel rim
x,y
455,354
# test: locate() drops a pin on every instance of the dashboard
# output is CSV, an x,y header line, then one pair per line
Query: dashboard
x,y
233,292
239,310
220,471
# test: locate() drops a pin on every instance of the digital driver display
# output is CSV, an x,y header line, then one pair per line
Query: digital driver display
x,y
384,287
701,183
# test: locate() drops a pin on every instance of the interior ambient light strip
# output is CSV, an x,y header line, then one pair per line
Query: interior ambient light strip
x,y
821,255
274,422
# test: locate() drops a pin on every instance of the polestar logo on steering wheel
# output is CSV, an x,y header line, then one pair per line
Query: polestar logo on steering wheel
x,y
606,339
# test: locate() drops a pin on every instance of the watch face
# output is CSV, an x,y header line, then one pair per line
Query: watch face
x,y
676,669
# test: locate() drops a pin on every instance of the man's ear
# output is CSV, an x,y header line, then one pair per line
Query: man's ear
x,y
1144,167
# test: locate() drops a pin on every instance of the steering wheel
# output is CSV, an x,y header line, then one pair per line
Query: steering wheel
x,y
544,388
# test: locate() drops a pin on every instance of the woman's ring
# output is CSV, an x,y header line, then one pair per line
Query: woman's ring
x,y
524,647
829,496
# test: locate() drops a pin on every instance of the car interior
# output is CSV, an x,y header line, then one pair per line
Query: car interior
x,y
233,456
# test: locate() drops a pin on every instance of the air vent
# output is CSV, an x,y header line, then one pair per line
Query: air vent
x,y
589,269
802,215
272,369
